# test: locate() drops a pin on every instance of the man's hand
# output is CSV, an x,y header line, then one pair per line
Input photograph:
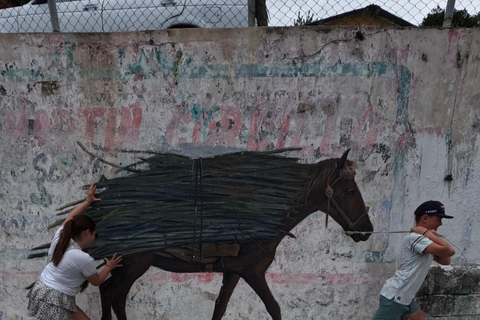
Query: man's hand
x,y
419,230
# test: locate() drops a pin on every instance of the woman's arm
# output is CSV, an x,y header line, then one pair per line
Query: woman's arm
x,y
98,278
80,209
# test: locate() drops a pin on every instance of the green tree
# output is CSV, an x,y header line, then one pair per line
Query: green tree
x,y
301,20
460,19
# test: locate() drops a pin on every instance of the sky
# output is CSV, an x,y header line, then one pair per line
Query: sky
x,y
284,12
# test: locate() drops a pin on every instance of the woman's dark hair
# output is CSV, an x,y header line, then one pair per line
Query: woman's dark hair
x,y
71,229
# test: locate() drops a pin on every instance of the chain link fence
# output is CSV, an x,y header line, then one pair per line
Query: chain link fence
x,y
293,12
134,15
124,15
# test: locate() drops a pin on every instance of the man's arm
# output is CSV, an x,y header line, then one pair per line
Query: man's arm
x,y
80,209
440,248
442,260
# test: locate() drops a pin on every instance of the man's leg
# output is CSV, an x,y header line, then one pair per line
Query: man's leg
x,y
415,312
419,315
390,310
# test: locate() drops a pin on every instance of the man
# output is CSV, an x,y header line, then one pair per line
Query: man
x,y
419,248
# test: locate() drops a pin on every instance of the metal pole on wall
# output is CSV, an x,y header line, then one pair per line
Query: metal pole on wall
x,y
53,15
447,21
251,13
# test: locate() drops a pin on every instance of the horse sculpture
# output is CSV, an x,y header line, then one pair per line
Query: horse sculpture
x,y
225,214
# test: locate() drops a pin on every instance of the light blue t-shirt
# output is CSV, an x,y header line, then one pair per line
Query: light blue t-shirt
x,y
413,269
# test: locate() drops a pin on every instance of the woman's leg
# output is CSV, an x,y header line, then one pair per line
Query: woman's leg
x,y
80,315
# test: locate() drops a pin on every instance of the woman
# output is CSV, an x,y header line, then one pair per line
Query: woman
x,y
53,295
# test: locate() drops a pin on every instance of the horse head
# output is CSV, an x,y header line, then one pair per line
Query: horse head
x,y
340,197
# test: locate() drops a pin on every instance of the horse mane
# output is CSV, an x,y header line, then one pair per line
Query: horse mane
x,y
326,169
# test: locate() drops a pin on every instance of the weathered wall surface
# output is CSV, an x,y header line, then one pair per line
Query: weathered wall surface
x,y
451,293
407,102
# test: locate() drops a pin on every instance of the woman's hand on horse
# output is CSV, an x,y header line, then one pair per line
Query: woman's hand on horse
x,y
99,278
114,262
91,194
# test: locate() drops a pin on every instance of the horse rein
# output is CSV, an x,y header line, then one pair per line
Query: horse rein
x,y
329,193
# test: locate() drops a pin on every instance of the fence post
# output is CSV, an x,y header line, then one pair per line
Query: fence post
x,y
447,21
53,15
251,13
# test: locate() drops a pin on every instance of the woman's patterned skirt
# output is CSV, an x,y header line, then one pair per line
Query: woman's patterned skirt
x,y
49,304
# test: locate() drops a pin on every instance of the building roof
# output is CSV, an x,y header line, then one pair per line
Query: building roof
x,y
372,11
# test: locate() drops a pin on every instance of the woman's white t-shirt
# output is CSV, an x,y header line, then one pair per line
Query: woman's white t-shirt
x,y
72,270
413,269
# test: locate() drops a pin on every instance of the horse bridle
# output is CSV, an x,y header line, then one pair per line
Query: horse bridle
x,y
329,193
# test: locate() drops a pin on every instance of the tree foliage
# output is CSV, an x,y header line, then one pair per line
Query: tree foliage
x,y
460,19
303,20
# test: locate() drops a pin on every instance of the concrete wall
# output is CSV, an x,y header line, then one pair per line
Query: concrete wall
x,y
451,293
406,101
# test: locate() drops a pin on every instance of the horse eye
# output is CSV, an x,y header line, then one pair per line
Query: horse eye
x,y
351,192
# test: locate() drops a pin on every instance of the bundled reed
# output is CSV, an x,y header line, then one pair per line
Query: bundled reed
x,y
170,201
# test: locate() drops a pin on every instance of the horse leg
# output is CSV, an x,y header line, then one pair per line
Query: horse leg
x,y
106,298
258,283
120,303
230,280
115,292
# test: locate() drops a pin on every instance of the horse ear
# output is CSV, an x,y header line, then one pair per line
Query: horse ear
x,y
343,159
